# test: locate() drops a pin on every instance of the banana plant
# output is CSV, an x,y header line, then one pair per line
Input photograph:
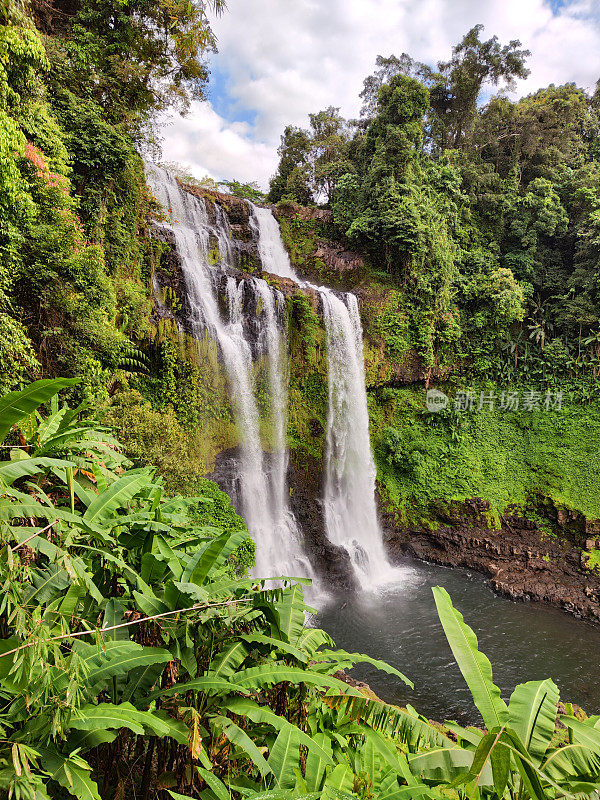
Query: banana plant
x,y
517,752
132,660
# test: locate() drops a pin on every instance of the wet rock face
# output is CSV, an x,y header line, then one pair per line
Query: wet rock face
x,y
227,475
171,296
330,562
292,210
521,561
346,265
321,257
236,208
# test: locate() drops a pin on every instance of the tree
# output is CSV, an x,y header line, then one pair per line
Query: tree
x,y
473,65
386,69
312,161
132,58
329,151
247,191
292,179
455,86
384,207
539,135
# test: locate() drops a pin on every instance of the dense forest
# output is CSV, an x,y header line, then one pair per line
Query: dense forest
x,y
483,210
138,657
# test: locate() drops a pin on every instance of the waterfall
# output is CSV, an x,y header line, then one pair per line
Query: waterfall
x,y
349,497
273,255
280,544
263,481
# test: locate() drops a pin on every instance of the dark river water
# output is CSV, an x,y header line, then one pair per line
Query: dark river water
x,y
524,641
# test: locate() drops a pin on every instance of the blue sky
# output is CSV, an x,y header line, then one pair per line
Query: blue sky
x,y
223,101
279,60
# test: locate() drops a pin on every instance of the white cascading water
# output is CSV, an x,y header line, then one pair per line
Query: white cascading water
x,y
273,255
350,510
349,500
280,546
264,496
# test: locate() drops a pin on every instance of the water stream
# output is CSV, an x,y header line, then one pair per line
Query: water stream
x,y
349,498
272,252
349,502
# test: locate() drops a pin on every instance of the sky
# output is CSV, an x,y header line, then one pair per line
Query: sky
x,y
280,60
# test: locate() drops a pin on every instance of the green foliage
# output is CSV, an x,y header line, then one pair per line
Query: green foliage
x,y
247,191
426,461
155,437
132,59
125,632
311,161
483,215
455,86
592,559
308,393
292,178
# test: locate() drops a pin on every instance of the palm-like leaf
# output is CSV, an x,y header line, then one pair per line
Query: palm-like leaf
x,y
580,758
240,738
24,468
263,715
107,716
116,496
16,405
340,659
532,714
266,675
445,764
474,665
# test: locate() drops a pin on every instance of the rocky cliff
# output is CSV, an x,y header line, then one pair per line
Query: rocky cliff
x,y
531,470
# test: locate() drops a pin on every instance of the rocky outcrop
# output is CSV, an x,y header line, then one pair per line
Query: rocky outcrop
x,y
291,210
236,208
316,248
344,265
522,562
238,214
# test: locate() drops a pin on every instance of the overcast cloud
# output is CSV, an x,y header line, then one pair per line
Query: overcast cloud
x,y
279,60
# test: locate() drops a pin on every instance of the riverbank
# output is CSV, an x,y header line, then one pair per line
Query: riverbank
x,y
521,561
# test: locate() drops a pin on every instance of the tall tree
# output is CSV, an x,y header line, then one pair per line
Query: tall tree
x,y
455,86
311,161
474,64
329,151
292,179
130,57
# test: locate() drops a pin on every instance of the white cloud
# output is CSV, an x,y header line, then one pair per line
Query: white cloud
x,y
206,144
284,59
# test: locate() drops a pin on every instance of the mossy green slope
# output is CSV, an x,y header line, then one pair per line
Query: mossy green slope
x,y
506,457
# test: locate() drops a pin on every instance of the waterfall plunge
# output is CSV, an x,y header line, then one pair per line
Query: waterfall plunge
x,y
350,510
264,496
349,498
273,255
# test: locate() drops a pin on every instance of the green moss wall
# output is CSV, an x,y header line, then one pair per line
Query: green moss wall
x,y
524,458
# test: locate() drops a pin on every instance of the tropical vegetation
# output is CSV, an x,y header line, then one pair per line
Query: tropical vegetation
x,y
481,211
138,657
